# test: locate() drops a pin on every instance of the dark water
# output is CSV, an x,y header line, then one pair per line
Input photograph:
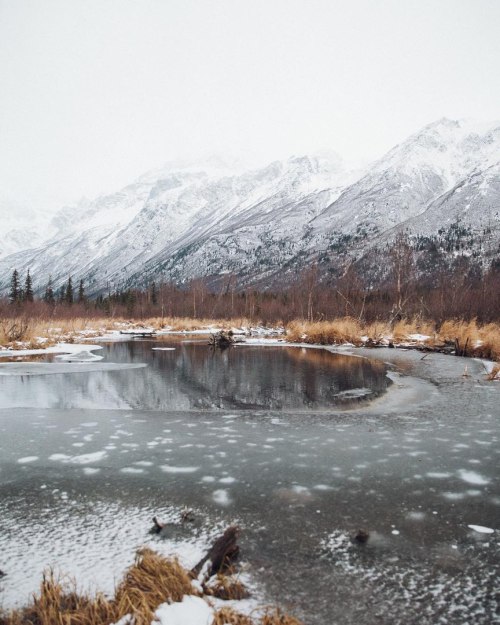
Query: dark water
x,y
193,376
258,436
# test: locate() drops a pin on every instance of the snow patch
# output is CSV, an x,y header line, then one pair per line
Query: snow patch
x,y
190,611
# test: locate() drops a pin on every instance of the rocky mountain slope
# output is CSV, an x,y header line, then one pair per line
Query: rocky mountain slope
x,y
210,219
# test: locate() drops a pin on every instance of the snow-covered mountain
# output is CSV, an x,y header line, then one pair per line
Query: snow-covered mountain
x,y
22,226
213,217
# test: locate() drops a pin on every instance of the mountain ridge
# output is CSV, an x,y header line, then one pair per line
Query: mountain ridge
x,y
189,222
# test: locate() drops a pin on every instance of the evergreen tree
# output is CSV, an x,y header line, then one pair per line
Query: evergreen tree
x,y
15,289
81,293
69,292
154,294
62,294
28,288
49,297
130,302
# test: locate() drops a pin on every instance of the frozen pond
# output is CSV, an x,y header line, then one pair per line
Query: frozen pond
x,y
285,442
190,376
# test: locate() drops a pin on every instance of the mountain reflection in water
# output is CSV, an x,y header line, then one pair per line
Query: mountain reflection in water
x,y
194,376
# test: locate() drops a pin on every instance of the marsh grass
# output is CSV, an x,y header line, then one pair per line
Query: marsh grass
x,y
229,616
482,341
226,587
277,617
152,580
338,331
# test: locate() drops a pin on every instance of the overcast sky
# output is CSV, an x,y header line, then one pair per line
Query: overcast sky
x,y
95,92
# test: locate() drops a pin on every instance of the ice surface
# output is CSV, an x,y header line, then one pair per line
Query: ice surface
x,y
481,529
472,477
170,469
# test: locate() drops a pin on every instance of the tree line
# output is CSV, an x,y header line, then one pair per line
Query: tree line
x,y
22,293
389,284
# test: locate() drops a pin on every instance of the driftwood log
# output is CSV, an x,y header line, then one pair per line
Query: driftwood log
x,y
221,556
360,536
222,339
157,525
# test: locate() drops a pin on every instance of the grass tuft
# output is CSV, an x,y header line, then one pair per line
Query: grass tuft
x,y
277,617
226,587
228,616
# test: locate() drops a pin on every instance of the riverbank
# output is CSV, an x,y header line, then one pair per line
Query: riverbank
x,y
454,337
419,475
154,590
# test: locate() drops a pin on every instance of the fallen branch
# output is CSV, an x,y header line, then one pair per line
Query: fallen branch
x,y
220,556
222,340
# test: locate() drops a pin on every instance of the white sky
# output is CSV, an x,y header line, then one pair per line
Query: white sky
x,y
95,92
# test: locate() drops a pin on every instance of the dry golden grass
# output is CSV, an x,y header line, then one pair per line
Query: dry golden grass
x,y
26,332
149,582
406,327
152,580
179,324
228,616
226,587
59,604
338,331
377,330
493,374
463,331
276,617
482,341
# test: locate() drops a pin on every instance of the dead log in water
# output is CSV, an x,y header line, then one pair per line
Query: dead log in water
x,y
221,340
462,351
221,556
157,525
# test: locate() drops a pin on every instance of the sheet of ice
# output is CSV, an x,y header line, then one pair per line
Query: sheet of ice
x,y
227,480
91,470
163,349
27,459
60,348
96,456
46,368
170,469
438,475
190,611
472,477
82,356
481,529
221,497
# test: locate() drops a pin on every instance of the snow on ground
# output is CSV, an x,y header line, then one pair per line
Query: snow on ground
x,y
190,611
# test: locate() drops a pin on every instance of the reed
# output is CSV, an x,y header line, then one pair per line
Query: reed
x,y
150,581
337,331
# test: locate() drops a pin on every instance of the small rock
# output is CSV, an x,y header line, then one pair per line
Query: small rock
x,y
361,537
158,526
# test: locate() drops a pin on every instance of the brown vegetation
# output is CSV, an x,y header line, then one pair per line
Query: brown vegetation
x,y
149,582
465,338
